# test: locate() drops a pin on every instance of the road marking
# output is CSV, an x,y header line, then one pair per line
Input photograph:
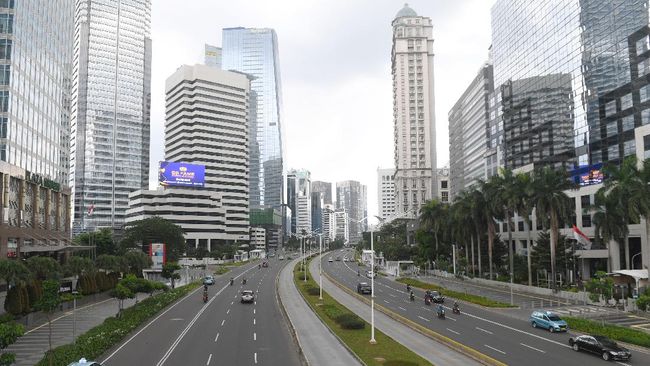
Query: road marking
x,y
209,358
253,321
254,336
67,314
392,295
402,308
222,322
232,302
483,330
255,355
228,312
536,349
217,337
424,318
450,318
386,302
498,350
453,331
253,311
621,363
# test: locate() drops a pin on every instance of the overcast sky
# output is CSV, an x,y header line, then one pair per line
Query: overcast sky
x,y
335,66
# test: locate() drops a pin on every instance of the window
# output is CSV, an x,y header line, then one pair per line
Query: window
x,y
4,101
5,49
646,146
628,123
4,74
610,108
3,128
629,147
586,220
626,102
645,116
444,184
445,196
520,226
6,23
644,93
585,201
7,4
612,152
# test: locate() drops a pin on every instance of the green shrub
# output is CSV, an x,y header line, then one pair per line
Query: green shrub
x,y
615,332
643,302
350,321
24,299
313,291
34,292
13,301
6,317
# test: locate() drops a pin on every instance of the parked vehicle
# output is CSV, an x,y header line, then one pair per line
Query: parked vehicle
x,y
548,320
603,346
281,258
364,288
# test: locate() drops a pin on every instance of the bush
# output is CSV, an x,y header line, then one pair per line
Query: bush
x,y
643,302
24,299
313,291
350,321
13,301
332,312
34,291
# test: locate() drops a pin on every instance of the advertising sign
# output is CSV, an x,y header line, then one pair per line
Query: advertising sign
x,y
588,174
157,254
181,174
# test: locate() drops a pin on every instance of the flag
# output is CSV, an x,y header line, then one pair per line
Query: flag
x,y
581,238
91,209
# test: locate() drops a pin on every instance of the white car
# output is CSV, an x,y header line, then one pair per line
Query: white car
x,y
247,296
330,260
369,274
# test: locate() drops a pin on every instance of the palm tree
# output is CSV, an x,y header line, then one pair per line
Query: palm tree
x,y
491,210
510,195
642,194
477,204
608,219
462,209
432,218
524,208
552,203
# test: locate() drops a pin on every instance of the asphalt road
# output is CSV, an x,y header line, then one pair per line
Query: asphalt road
x,y
504,338
221,332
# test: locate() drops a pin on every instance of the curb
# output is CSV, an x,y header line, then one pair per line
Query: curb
x,y
456,346
292,329
321,320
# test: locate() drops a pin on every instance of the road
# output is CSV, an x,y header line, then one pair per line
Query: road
x,y
502,337
221,332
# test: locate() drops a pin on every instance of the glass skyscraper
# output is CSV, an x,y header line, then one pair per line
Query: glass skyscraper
x,y
255,51
35,65
111,96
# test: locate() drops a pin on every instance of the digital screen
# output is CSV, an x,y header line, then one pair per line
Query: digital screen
x,y
588,174
157,254
181,174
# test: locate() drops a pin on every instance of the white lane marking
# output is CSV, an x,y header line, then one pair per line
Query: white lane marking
x,y
450,318
235,296
392,295
217,337
253,311
424,318
621,363
386,301
453,331
402,308
209,358
492,348
255,355
531,347
67,314
222,322
254,336
228,311
483,330
232,302
254,321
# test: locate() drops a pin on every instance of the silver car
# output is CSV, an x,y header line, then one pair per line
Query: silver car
x,y
247,296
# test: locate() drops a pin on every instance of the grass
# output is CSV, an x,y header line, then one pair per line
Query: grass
x,y
241,263
474,299
385,352
221,270
615,332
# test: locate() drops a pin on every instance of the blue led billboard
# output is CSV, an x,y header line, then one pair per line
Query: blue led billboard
x,y
181,174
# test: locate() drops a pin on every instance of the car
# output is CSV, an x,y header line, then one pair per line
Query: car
x,y
602,346
281,258
84,362
271,255
265,264
548,320
338,259
330,260
208,280
247,296
436,297
369,274
364,288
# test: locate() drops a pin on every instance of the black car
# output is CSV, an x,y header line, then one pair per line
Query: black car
x,y
435,297
364,288
603,346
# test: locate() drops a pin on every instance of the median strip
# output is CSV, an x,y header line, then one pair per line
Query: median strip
x,y
474,299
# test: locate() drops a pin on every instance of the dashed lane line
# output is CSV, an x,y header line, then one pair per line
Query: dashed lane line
x,y
533,348
483,330
216,338
453,331
425,319
492,348
209,358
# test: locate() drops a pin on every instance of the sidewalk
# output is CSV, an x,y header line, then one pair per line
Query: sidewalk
x,y
318,344
31,347
434,352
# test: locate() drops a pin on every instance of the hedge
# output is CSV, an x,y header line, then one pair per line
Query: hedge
x,y
616,332
112,331
350,321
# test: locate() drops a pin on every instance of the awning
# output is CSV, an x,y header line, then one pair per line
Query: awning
x,y
637,274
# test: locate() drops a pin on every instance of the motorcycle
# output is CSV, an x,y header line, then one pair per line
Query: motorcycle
x,y
412,297
456,310
232,281
243,281
408,288
427,300
205,296
441,314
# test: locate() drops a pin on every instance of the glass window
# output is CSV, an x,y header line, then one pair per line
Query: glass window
x,y
626,102
4,74
646,146
610,108
612,152
5,49
7,4
585,201
444,184
612,128
3,128
628,123
629,147
6,23
586,220
644,93
645,116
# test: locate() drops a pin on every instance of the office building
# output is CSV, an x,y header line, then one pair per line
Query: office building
x,y
254,51
352,197
111,97
442,175
317,205
269,219
212,56
468,122
342,222
258,238
329,223
299,200
35,67
213,134
386,192
325,188
413,111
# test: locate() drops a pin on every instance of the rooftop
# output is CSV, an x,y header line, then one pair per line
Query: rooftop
x,y
406,12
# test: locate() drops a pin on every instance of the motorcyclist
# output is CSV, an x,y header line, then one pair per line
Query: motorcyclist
x,y
358,273
412,296
205,287
243,281
205,293
259,266
440,309
232,281
455,305
408,287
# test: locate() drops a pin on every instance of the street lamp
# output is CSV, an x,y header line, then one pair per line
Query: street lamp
x,y
632,261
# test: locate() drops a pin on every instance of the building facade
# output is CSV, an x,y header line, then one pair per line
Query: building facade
x,y
385,192
413,111
468,122
352,197
317,212
299,200
212,56
329,223
269,219
342,223
255,51
111,97
325,188
443,184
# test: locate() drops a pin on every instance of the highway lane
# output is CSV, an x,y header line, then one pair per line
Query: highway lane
x,y
221,332
509,340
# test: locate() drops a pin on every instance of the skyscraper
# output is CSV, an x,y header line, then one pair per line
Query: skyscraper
x,y
352,197
325,188
255,52
386,192
212,56
414,112
111,94
299,200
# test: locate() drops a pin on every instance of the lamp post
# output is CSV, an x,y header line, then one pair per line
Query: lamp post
x,y
632,261
320,265
74,316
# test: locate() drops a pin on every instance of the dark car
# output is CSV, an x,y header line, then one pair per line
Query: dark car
x,y
364,288
603,346
435,297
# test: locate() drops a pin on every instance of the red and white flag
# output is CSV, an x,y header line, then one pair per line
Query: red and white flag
x,y
91,209
581,238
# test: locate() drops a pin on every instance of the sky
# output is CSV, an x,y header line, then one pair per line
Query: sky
x,y
336,76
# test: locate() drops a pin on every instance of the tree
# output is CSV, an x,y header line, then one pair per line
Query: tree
x,y
102,240
156,230
477,204
121,293
79,265
169,272
137,261
112,263
43,268
552,204
541,253
48,303
337,244
608,219
432,217
525,208
13,271
492,209
9,333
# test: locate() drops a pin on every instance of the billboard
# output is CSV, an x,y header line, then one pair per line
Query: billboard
x,y
588,174
157,254
181,174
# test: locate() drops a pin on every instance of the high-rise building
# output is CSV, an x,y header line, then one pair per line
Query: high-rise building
x,y
468,122
35,78
317,212
386,192
111,94
325,188
199,131
342,222
352,197
413,111
299,200
443,184
212,56
329,223
255,52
